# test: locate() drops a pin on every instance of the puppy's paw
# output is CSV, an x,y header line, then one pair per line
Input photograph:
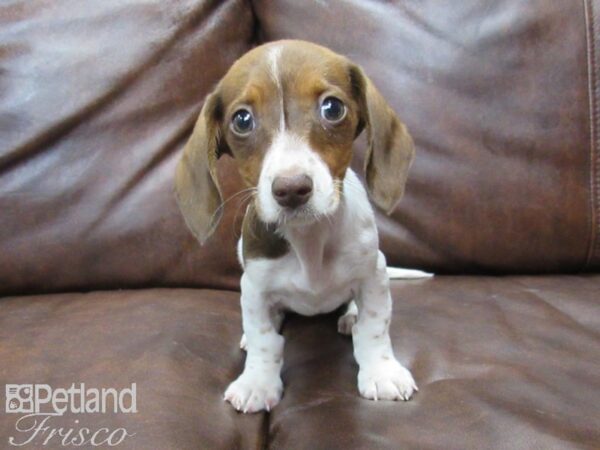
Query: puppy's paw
x,y
386,380
254,392
243,343
345,323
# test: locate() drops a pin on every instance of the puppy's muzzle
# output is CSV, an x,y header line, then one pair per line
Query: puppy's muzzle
x,y
292,192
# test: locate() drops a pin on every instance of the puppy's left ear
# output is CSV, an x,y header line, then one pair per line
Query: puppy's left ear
x,y
390,147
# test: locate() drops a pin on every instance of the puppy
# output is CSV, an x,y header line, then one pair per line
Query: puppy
x,y
288,113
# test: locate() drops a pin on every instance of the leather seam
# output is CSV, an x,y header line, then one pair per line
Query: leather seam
x,y
257,32
591,33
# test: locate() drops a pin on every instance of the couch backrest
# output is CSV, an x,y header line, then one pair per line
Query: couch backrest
x,y
96,102
502,99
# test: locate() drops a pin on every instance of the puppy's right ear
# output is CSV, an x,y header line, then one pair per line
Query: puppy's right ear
x,y
196,186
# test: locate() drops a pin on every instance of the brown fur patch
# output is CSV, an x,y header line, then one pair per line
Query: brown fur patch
x,y
260,240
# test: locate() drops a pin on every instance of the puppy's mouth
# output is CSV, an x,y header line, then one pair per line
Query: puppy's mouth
x,y
303,215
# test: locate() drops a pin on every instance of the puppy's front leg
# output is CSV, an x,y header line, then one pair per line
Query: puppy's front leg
x,y
380,375
259,386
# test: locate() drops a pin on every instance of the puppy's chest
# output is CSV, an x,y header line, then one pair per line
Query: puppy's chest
x,y
316,283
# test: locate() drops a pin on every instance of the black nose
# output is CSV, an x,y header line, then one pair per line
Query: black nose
x,y
293,191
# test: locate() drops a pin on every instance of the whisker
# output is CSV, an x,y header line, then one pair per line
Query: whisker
x,y
222,205
243,202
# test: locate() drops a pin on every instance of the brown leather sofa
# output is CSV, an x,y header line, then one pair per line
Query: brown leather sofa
x,y
103,284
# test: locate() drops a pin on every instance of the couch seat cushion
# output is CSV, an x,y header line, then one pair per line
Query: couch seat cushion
x,y
179,346
501,362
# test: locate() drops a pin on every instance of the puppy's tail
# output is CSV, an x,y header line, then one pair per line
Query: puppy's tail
x,y
398,273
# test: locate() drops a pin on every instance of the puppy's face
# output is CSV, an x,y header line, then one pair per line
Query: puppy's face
x,y
290,118
288,112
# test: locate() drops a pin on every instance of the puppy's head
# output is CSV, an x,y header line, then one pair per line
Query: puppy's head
x,y
288,112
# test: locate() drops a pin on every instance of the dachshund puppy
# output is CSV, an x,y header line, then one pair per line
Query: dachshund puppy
x,y
288,113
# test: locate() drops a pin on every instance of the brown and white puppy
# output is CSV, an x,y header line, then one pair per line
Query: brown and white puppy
x,y
288,112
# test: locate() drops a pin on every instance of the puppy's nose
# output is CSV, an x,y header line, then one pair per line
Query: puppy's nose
x,y
293,191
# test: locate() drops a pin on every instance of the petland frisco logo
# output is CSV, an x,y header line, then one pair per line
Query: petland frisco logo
x,y
40,404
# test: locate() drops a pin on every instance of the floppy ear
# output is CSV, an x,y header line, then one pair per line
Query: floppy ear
x,y
196,186
390,147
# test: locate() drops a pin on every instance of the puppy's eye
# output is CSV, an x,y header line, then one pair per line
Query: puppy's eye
x,y
242,122
333,110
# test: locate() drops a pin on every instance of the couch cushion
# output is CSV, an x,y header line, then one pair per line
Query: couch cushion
x,y
503,363
96,102
180,347
499,98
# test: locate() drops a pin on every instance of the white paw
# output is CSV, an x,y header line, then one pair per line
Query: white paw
x,y
243,343
254,392
345,324
386,380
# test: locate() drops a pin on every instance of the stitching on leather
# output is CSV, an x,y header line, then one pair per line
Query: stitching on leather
x,y
591,34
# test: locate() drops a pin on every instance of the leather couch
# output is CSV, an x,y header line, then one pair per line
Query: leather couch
x,y
102,283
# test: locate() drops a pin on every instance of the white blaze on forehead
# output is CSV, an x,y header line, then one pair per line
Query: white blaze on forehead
x,y
288,153
274,56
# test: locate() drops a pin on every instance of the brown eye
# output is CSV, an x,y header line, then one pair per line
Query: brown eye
x,y
242,122
333,110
